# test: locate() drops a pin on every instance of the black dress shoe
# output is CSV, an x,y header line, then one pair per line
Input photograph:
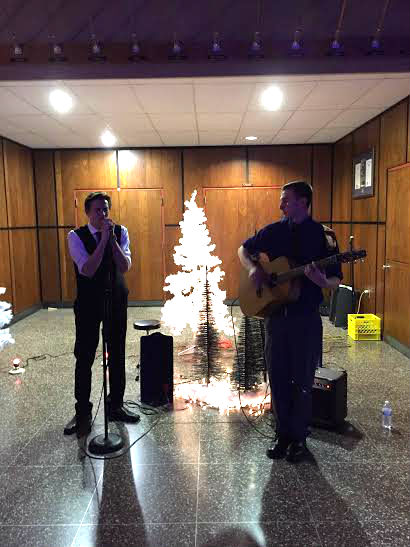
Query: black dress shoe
x,y
79,424
122,414
279,450
297,452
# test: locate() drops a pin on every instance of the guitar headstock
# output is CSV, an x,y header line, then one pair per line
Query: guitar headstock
x,y
352,256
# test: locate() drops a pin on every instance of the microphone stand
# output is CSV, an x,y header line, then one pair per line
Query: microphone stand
x,y
351,238
109,442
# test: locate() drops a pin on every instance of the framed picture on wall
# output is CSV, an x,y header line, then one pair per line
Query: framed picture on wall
x,y
363,175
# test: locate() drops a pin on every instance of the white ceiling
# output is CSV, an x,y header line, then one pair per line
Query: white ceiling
x,y
196,111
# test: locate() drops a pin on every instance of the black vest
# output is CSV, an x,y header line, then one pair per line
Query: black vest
x,y
91,289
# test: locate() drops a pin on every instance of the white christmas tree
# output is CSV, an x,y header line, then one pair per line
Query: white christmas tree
x,y
5,318
194,255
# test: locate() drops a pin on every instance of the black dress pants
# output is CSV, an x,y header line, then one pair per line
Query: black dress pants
x,y
88,319
293,350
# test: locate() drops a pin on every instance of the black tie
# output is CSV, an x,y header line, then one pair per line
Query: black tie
x,y
98,237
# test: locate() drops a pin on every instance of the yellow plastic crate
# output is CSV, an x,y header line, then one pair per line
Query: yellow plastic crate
x,y
364,326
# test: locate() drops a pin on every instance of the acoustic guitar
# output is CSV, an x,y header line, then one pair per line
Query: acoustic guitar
x,y
283,287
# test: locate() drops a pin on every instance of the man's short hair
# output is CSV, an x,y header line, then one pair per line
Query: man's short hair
x,y
93,196
301,188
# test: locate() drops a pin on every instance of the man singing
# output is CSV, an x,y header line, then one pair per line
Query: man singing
x,y
101,254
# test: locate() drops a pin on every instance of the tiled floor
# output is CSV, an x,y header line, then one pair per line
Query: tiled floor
x,y
196,478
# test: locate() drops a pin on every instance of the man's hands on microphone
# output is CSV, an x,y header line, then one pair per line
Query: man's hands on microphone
x,y
107,230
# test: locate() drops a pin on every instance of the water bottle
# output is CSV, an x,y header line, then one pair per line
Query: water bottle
x,y
387,415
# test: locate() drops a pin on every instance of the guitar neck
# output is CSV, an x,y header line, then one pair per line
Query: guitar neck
x,y
300,270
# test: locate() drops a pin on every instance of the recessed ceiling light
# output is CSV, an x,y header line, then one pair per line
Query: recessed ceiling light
x,y
271,98
108,139
61,101
251,138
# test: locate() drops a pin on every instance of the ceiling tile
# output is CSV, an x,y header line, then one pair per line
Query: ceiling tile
x,y
30,139
331,134
385,94
42,124
8,126
265,121
71,141
107,99
10,104
337,94
129,123
293,136
142,139
165,98
212,138
222,98
85,123
310,119
219,122
182,138
354,117
38,96
293,94
174,122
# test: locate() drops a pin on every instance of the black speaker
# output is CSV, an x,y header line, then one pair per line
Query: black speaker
x,y
157,369
329,397
343,302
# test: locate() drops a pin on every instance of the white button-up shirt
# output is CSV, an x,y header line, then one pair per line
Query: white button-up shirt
x,y
79,254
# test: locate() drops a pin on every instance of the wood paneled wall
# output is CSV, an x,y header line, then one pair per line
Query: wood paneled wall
x,y
177,172
37,207
19,265
364,218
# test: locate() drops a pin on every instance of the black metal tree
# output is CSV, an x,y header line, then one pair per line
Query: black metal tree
x,y
250,365
207,363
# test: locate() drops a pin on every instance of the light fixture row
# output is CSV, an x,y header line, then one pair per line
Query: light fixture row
x,y
271,99
178,52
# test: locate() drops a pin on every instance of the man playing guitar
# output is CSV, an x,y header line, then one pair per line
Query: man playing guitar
x,y
294,331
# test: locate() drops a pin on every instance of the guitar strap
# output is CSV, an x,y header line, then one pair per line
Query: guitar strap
x,y
295,244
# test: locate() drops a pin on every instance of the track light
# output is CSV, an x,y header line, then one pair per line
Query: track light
x,y
177,50
17,52
216,52
256,47
375,46
296,48
96,50
56,51
336,47
135,49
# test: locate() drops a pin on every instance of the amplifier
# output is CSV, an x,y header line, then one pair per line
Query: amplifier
x,y
157,369
329,397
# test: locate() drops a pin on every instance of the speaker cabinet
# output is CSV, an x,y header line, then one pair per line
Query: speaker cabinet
x,y
157,369
329,397
343,302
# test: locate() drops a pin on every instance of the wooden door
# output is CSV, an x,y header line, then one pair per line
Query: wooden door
x,y
234,214
141,211
397,264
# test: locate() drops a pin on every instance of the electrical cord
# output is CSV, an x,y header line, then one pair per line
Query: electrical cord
x,y
366,291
